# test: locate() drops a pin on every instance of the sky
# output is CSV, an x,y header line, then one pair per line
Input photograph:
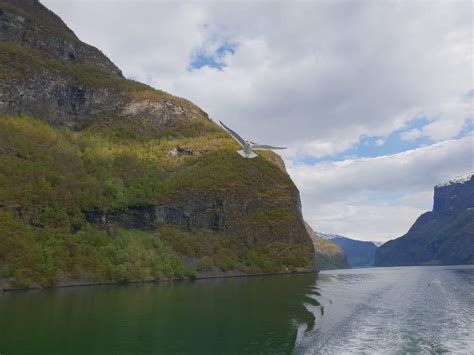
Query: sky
x,y
373,98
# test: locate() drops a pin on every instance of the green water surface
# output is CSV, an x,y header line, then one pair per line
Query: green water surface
x,y
238,315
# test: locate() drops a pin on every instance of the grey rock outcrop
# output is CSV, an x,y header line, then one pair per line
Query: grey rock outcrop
x,y
455,195
152,217
52,75
227,212
32,25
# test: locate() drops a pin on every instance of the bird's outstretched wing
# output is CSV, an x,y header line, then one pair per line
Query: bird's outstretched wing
x,y
265,147
234,135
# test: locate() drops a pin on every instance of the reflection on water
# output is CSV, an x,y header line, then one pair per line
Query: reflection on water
x,y
240,315
361,311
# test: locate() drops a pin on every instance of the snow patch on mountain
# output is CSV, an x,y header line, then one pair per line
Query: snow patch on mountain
x,y
457,180
330,236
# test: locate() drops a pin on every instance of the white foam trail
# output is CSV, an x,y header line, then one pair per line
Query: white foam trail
x,y
392,311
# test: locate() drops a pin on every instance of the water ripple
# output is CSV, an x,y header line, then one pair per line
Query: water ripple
x,y
405,310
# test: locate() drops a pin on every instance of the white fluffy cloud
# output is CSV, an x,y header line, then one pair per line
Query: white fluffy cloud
x,y
364,221
379,198
412,134
315,76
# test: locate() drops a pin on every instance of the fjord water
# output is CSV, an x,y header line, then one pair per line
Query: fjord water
x,y
402,310
379,310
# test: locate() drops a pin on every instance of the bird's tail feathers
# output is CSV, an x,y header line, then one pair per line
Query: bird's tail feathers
x,y
251,155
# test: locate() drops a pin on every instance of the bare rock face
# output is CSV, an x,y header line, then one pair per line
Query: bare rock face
x,y
210,216
38,49
228,212
32,25
47,72
454,195
149,107
63,102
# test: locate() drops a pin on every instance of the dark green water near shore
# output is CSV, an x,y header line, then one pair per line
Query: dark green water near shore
x,y
405,310
238,315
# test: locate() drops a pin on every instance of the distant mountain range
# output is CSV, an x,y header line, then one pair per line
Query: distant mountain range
x,y
328,255
359,253
443,236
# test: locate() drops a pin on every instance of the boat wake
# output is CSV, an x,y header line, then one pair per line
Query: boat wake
x,y
392,311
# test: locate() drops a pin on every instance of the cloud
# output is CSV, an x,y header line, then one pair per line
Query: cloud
x,y
378,197
362,221
379,142
321,148
419,168
412,134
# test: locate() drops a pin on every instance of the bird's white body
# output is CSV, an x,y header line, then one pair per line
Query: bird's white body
x,y
248,146
247,152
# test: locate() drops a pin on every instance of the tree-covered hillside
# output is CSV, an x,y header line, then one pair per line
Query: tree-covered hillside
x,y
105,179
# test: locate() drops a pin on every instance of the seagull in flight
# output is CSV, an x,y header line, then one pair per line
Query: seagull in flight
x,y
248,146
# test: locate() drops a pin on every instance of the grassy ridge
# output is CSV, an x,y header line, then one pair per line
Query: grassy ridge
x,y
49,177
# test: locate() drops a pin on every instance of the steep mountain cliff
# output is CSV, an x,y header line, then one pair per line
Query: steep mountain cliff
x,y
106,179
359,253
442,236
328,255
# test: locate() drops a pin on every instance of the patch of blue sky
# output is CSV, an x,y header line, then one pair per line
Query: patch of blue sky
x,y
468,128
470,95
370,146
215,59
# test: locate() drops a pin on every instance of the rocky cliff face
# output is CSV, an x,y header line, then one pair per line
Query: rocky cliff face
x,y
442,236
48,72
30,24
88,157
454,196
223,212
30,33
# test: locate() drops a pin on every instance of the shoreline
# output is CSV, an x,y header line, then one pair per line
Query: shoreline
x,y
6,288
